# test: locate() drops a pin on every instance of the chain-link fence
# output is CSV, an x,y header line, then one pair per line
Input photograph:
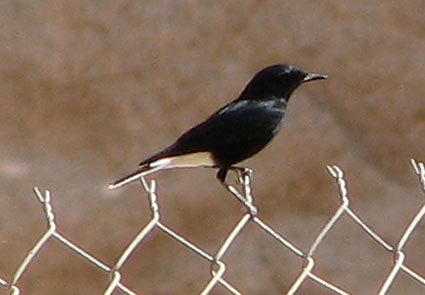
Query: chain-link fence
x,y
218,267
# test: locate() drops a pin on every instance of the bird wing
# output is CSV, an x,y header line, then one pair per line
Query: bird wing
x,y
238,124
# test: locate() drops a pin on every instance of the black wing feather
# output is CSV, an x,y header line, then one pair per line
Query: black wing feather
x,y
235,132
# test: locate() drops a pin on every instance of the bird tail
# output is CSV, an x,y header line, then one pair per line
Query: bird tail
x,y
156,163
142,171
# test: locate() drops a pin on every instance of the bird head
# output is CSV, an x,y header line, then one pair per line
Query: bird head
x,y
277,81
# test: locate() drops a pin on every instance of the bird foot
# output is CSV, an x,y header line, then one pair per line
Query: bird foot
x,y
244,176
243,172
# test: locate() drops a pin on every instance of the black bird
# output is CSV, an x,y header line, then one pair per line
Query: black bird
x,y
235,132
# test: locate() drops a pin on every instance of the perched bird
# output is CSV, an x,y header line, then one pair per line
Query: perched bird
x,y
235,132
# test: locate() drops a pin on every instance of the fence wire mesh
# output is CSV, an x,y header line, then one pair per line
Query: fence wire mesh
x,y
218,267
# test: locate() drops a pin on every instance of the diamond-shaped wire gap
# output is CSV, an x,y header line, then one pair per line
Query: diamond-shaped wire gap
x,y
114,222
350,259
206,218
161,265
107,239
55,269
206,226
256,263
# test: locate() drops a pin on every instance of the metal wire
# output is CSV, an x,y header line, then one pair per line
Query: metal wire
x,y
217,266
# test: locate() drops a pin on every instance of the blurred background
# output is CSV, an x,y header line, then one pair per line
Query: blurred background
x,y
90,88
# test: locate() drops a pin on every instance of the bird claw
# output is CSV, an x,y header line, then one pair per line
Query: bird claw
x,y
241,173
247,172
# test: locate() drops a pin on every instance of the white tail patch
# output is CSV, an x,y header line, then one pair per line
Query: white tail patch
x,y
160,162
185,161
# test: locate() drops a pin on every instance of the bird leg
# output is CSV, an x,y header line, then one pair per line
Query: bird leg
x,y
241,173
221,175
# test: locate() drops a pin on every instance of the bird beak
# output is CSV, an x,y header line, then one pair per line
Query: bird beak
x,y
314,76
